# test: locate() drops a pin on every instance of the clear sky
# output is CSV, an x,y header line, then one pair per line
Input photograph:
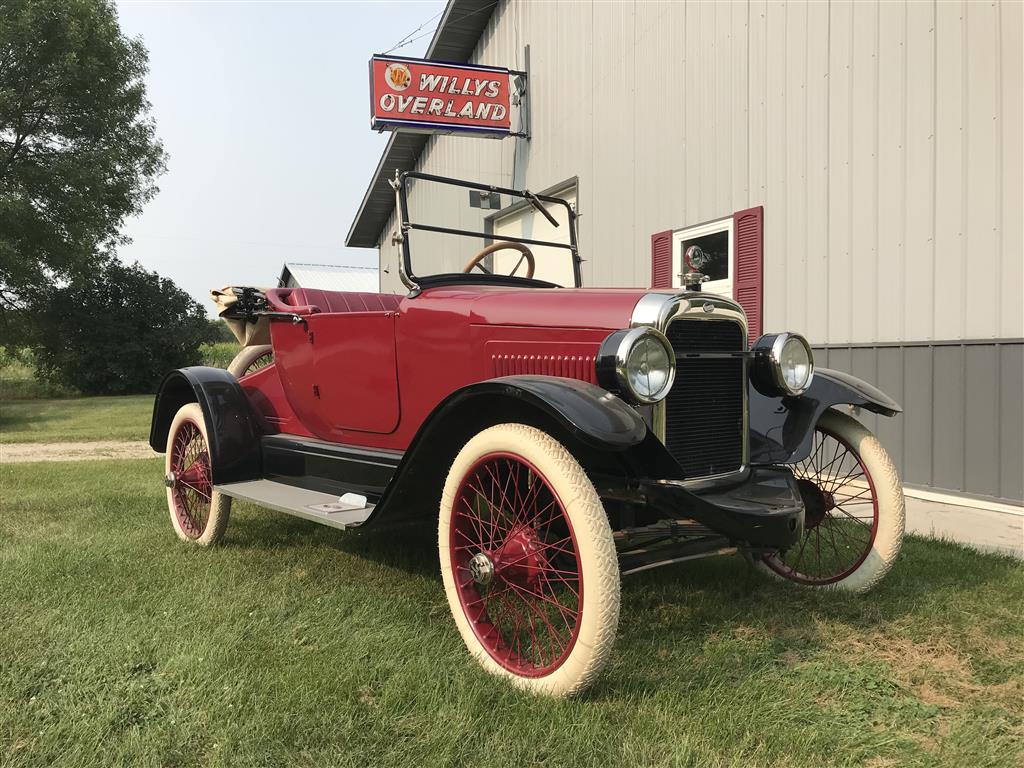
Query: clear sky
x,y
263,108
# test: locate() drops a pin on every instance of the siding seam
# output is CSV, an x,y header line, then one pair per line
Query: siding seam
x,y
964,169
935,172
828,168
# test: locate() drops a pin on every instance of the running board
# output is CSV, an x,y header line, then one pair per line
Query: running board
x,y
349,511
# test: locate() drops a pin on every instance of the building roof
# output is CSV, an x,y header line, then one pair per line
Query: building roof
x,y
331,277
454,40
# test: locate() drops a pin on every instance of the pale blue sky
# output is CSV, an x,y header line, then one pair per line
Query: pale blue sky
x,y
263,108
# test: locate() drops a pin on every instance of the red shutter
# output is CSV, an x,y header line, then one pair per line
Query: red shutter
x,y
661,259
748,275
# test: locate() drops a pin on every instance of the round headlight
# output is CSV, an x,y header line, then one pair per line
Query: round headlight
x,y
638,363
783,364
796,364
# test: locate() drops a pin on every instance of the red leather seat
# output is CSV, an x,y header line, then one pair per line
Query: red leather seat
x,y
312,300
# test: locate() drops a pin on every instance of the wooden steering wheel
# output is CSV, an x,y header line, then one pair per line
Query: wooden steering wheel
x,y
500,246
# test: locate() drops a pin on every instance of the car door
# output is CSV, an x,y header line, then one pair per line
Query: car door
x,y
355,381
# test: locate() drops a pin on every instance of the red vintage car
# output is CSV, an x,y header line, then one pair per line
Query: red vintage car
x,y
558,437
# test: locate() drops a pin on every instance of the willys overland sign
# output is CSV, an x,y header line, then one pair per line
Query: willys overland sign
x,y
436,97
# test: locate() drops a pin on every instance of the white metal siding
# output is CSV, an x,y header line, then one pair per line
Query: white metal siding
x,y
883,139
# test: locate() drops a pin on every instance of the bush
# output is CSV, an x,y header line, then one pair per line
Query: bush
x,y
219,332
219,355
117,331
18,379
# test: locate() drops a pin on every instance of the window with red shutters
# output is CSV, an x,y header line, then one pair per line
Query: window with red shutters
x,y
748,276
661,259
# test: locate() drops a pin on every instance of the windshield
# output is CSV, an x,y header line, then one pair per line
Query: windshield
x,y
464,231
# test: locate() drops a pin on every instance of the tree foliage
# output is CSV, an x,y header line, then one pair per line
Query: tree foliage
x,y
117,331
78,150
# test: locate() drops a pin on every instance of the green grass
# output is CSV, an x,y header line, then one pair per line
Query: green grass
x,y
76,419
297,645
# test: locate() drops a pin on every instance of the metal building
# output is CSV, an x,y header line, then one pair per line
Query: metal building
x,y
330,276
875,147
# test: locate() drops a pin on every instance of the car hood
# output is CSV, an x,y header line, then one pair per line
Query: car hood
x,y
609,308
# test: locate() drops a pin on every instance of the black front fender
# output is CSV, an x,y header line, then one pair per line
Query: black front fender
x,y
590,413
587,419
231,424
782,428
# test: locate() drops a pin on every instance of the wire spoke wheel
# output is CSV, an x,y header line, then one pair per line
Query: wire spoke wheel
x,y
192,488
199,513
251,360
528,561
516,565
259,363
853,510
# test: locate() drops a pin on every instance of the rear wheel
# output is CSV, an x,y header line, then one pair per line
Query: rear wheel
x,y
528,561
250,360
198,513
854,519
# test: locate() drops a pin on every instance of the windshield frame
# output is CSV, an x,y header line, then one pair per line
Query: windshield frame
x,y
416,283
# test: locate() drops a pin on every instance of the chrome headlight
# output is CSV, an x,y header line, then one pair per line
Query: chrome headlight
x,y
638,363
783,364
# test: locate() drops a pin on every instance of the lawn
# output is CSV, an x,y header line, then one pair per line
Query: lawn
x,y
76,419
27,417
294,644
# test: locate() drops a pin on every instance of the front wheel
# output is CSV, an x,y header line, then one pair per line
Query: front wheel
x,y
528,561
854,519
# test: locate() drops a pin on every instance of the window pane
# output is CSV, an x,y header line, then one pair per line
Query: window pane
x,y
708,254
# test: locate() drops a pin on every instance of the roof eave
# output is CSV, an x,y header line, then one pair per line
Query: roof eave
x,y
455,39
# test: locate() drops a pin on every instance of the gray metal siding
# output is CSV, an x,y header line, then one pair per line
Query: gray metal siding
x,y
963,422
1011,421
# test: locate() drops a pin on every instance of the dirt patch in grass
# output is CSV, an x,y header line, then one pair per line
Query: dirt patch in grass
x,y
936,672
21,453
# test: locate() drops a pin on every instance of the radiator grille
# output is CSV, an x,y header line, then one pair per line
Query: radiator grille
x,y
704,409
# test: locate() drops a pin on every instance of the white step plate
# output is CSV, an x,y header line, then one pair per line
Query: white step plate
x,y
347,512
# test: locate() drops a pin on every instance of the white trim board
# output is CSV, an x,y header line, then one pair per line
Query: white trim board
x,y
956,500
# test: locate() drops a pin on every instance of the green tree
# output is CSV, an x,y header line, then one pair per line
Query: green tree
x,y
117,330
78,149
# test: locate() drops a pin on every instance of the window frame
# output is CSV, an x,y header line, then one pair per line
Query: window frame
x,y
726,224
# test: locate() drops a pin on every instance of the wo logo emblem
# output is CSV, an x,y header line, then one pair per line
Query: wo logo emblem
x,y
398,76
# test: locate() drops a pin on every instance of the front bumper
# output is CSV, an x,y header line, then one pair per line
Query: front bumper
x,y
764,511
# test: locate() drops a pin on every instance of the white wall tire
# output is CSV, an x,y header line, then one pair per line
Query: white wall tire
x,y
551,554
199,515
246,361
860,527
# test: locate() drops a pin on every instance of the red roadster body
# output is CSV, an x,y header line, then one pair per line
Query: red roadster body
x,y
558,437
337,374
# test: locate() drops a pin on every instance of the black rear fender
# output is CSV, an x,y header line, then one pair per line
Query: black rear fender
x,y
232,426
782,428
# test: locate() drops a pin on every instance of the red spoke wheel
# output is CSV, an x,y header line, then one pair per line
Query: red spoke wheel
x,y
198,513
854,510
528,560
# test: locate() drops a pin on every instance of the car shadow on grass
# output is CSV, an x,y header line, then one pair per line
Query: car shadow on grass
x,y
410,547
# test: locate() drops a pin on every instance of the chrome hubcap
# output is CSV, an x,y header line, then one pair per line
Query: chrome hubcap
x,y
170,480
481,569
